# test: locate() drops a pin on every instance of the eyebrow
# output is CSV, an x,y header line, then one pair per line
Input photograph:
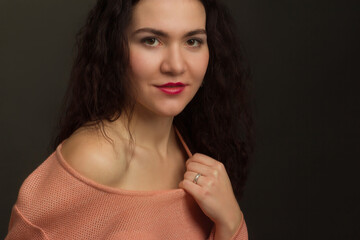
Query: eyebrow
x,y
163,34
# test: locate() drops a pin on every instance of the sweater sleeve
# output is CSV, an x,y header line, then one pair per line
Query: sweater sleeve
x,y
21,229
241,232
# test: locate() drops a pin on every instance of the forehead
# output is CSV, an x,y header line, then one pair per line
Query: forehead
x,y
169,15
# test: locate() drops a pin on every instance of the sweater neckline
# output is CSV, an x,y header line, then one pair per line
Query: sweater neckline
x,y
119,191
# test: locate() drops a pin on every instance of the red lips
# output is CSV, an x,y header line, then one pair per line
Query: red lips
x,y
171,84
172,88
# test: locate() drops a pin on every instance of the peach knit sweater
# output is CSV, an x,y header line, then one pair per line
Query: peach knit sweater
x,y
56,202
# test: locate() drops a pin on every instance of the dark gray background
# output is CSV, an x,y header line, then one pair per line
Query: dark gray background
x,y
304,54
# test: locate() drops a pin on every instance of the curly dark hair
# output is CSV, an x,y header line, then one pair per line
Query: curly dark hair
x,y
217,121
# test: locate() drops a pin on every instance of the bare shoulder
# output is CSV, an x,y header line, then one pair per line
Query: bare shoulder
x,y
94,157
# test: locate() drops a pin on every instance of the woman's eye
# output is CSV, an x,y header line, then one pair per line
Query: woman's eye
x,y
194,42
152,42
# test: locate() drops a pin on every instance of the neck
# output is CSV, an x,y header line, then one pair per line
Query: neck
x,y
150,131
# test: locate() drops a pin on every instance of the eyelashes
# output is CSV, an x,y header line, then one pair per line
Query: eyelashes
x,y
150,41
155,42
195,42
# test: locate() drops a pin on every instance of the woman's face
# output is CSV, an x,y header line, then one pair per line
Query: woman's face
x,y
167,42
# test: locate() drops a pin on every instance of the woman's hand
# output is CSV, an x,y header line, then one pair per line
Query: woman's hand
x,y
213,193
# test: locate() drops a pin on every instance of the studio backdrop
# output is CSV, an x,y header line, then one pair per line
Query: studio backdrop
x,y
304,57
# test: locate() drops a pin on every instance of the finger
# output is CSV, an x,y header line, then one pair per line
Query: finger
x,y
191,177
199,168
203,159
214,172
193,189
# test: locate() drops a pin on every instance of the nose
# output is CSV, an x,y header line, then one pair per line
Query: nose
x,y
173,62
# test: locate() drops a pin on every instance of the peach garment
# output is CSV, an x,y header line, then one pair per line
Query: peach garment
x,y
56,202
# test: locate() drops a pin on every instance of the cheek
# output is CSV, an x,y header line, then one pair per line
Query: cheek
x,y
199,65
142,64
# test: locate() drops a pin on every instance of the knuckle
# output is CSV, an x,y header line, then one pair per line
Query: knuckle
x,y
219,166
215,173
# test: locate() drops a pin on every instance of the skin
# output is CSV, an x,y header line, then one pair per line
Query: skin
x,y
161,51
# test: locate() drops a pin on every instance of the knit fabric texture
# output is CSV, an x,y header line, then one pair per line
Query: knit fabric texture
x,y
56,202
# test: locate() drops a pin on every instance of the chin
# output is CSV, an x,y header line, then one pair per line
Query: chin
x,y
169,112
161,109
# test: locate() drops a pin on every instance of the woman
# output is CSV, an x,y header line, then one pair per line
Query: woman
x,y
146,71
